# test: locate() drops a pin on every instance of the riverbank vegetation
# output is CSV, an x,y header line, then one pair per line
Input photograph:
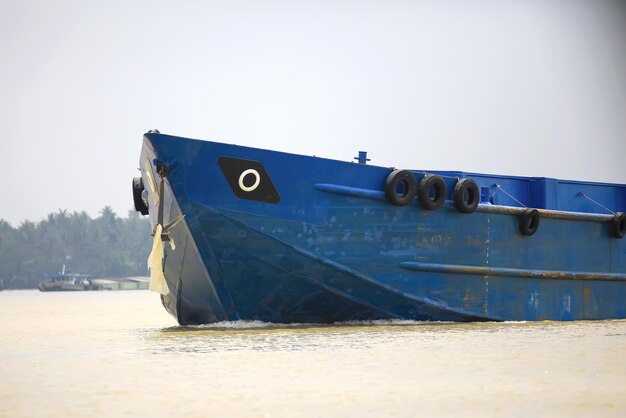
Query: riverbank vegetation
x,y
105,246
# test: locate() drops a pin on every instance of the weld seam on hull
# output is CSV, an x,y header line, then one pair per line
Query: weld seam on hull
x,y
350,297
509,272
385,287
424,300
323,286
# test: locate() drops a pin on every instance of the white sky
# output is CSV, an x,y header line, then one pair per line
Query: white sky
x,y
509,87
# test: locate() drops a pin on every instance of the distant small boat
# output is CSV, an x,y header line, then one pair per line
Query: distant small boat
x,y
68,283
63,282
245,233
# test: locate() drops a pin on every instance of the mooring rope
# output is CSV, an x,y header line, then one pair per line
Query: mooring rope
x,y
440,175
510,195
593,201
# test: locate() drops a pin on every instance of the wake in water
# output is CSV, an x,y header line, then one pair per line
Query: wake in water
x,y
252,325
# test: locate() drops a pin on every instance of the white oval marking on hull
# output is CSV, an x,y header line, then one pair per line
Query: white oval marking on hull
x,y
256,181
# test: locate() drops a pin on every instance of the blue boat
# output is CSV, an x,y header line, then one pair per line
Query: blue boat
x,y
250,234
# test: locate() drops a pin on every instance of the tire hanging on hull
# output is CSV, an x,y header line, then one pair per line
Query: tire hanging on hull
x,y
431,185
466,196
140,205
397,179
618,225
529,222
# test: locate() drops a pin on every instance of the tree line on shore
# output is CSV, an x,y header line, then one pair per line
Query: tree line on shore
x,y
105,246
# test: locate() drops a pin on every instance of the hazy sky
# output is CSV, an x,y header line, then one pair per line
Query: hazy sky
x,y
510,87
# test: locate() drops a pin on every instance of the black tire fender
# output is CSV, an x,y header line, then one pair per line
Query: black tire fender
x,y
394,179
618,225
435,184
140,205
466,195
529,222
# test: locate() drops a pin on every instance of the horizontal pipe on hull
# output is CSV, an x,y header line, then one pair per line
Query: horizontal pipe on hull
x,y
351,191
485,208
509,272
546,213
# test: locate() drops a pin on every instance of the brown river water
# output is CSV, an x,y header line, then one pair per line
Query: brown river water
x,y
120,354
